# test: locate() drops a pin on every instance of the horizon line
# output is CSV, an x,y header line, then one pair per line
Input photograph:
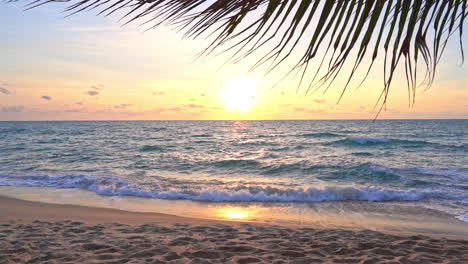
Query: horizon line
x,y
171,120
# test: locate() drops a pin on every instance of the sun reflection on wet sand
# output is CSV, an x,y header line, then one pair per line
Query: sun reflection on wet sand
x,y
237,213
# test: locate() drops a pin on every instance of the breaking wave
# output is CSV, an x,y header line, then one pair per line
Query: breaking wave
x,y
116,186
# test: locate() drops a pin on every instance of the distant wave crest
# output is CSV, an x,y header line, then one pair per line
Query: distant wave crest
x,y
364,141
236,163
320,135
13,130
202,136
150,148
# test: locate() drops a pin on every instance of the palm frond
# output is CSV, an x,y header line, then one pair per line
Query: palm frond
x,y
395,31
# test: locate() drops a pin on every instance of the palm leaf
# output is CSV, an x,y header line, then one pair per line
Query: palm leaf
x,y
399,28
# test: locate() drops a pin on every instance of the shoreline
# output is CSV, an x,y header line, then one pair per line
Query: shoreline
x,y
17,209
34,232
349,215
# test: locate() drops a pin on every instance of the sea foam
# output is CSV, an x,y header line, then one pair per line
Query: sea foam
x,y
463,218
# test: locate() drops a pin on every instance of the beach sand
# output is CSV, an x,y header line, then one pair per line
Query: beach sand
x,y
32,232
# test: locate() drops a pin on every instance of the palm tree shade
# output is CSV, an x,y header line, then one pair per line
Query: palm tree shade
x,y
399,32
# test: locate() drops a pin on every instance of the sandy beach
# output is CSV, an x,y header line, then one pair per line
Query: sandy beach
x,y
32,232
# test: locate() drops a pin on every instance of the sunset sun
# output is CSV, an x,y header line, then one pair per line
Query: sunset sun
x,y
240,94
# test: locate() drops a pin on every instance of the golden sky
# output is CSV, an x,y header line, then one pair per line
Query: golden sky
x,y
91,68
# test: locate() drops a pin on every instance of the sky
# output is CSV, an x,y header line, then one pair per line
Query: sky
x,y
88,67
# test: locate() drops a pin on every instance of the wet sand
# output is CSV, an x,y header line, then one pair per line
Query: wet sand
x,y
32,232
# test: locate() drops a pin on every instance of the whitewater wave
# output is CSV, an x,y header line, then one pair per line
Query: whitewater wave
x,y
463,218
116,186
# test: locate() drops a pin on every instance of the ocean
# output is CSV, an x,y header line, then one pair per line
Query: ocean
x,y
420,163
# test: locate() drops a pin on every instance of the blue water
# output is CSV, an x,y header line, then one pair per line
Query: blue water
x,y
414,161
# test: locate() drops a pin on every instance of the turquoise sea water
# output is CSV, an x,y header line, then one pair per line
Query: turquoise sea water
x,y
421,162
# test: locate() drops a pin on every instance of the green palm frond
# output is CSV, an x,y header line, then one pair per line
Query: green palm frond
x,y
399,32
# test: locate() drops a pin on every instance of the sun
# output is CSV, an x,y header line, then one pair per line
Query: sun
x,y
240,94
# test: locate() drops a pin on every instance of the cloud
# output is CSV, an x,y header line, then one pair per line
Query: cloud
x,y
189,108
307,110
75,111
97,86
173,109
362,109
195,106
46,97
159,93
4,90
202,107
122,106
92,93
391,110
320,101
169,109
12,109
